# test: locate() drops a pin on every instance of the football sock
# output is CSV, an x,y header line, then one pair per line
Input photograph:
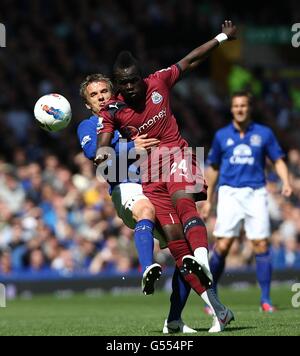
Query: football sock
x,y
217,265
212,301
143,237
194,227
264,275
179,249
179,296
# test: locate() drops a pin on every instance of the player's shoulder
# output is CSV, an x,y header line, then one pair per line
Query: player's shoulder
x,y
92,120
262,129
224,131
113,106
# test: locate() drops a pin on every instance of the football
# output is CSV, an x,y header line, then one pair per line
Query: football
x,y
53,112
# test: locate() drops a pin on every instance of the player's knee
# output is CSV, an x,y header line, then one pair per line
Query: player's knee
x,y
176,236
192,223
260,246
223,246
173,232
144,210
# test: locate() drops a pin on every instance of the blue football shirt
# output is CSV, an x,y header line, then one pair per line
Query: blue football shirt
x,y
242,160
87,133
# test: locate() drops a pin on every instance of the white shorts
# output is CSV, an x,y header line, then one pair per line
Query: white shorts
x,y
124,197
242,205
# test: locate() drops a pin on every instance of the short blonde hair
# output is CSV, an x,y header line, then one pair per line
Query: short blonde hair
x,y
92,78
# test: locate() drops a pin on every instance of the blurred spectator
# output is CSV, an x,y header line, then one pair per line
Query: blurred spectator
x,y
64,263
5,263
11,192
37,263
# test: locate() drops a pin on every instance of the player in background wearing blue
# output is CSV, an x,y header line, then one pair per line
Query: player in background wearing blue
x,y
237,163
132,206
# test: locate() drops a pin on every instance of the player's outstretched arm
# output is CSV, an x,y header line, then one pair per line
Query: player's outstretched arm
x,y
199,54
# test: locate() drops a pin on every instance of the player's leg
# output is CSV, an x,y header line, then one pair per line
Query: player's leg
x,y
264,272
195,233
217,264
229,221
222,316
257,226
179,248
228,226
186,186
138,213
179,296
218,257
166,213
144,213
180,292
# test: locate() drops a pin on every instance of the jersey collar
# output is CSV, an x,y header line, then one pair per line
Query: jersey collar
x,y
249,128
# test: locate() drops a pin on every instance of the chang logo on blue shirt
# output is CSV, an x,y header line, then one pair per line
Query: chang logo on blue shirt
x,y
242,154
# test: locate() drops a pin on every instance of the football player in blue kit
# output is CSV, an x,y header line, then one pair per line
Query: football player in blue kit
x,y
237,165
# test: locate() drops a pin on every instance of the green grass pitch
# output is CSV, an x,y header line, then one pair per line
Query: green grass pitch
x,y
134,314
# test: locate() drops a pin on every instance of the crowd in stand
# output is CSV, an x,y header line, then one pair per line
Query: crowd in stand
x,y
55,216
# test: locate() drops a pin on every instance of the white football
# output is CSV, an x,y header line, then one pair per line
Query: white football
x,y
53,112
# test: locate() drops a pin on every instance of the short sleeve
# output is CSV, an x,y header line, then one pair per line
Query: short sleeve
x,y
215,154
169,76
109,116
87,135
108,123
273,149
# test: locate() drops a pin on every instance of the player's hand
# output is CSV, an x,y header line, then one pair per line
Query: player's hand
x,y
206,209
286,190
142,142
230,30
101,156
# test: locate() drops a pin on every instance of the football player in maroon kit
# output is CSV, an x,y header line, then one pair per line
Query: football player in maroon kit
x,y
143,107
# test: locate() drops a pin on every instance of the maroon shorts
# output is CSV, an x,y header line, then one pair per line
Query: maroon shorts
x,y
182,176
159,196
187,175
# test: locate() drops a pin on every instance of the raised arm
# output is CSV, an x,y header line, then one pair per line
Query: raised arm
x,y
198,55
